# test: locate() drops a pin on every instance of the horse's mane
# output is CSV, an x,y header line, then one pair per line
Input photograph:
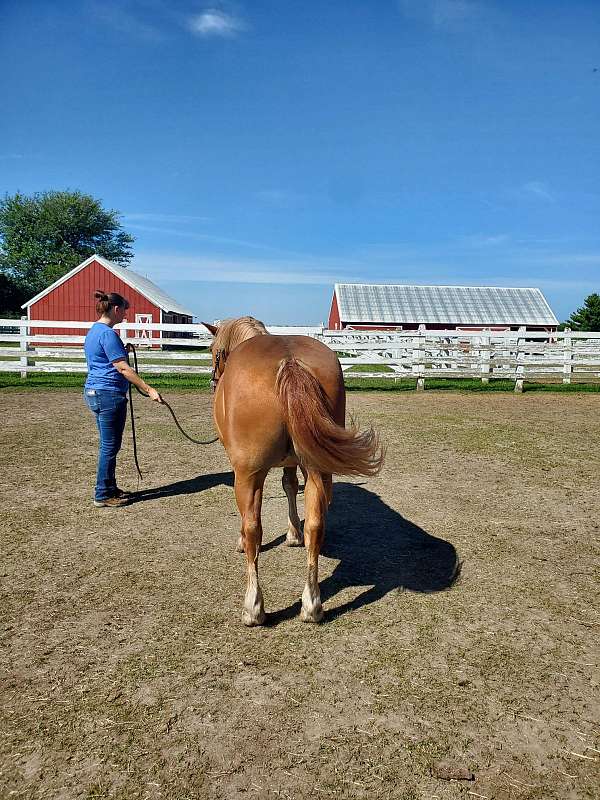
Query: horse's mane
x,y
232,332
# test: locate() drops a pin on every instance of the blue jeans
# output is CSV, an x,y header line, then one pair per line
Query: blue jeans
x,y
110,411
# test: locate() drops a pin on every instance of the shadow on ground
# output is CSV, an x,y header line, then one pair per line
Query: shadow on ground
x,y
380,549
191,486
375,545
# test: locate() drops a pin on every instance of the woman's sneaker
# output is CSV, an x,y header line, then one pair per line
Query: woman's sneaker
x,y
112,502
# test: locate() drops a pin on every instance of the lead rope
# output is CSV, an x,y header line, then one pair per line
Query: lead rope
x,y
131,349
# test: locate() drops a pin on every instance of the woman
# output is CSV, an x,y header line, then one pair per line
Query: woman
x,y
105,392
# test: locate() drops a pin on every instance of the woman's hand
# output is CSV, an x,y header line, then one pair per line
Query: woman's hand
x,y
154,395
131,375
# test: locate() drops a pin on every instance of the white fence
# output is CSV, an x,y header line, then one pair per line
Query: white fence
x,y
391,355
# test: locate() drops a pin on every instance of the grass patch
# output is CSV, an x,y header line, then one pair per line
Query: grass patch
x,y
370,368
57,380
463,385
54,380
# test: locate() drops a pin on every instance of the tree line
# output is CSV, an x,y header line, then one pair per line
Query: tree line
x,y
44,235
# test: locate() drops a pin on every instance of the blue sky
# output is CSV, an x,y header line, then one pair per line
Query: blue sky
x,y
259,151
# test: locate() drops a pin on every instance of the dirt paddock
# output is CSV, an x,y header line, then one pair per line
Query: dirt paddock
x,y
126,670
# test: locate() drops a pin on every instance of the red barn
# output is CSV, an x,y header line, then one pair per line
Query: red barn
x,y
72,298
360,306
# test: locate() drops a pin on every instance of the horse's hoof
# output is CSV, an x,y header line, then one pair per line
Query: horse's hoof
x,y
314,615
239,548
293,541
252,619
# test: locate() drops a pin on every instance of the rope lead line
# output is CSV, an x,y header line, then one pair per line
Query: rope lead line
x,y
131,349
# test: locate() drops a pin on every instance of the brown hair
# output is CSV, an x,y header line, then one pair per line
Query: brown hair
x,y
104,301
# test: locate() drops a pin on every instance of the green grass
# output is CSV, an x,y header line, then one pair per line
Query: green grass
x,y
462,384
370,368
53,380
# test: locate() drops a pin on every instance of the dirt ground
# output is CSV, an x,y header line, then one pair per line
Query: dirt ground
x,y
126,670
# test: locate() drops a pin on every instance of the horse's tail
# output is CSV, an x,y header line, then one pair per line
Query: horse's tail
x,y
318,440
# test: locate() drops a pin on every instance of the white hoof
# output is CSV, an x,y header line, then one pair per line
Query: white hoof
x,y
253,612
239,548
312,614
312,609
294,537
253,618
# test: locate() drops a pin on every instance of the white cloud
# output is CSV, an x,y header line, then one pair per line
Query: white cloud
x,y
275,197
213,22
123,20
444,14
206,237
539,189
174,266
475,260
566,259
170,219
484,240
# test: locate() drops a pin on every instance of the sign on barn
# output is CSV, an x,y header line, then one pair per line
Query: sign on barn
x,y
71,298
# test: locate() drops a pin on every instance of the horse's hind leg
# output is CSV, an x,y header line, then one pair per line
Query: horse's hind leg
x,y
289,482
248,494
315,504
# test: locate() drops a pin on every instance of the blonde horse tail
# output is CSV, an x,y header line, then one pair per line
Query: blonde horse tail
x,y
320,443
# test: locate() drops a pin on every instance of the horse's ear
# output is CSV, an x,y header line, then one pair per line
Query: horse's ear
x,y
211,328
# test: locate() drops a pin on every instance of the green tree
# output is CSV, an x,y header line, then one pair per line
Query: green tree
x,y
586,318
11,297
45,235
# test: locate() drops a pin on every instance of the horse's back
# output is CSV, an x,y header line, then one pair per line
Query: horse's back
x,y
263,355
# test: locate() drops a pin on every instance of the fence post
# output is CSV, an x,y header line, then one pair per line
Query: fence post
x,y
567,356
485,358
520,367
24,346
418,368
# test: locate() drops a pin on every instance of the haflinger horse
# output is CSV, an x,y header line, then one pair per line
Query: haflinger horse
x,y
279,401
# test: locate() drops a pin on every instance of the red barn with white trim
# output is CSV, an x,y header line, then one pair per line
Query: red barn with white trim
x,y
72,298
363,306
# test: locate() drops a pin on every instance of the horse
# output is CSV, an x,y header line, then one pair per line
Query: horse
x,y
279,401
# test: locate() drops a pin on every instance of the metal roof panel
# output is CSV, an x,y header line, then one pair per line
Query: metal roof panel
x,y
146,287
455,305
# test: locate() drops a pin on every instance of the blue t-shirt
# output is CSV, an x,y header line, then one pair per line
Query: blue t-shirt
x,y
102,347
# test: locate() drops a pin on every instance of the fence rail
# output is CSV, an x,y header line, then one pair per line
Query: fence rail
x,y
392,355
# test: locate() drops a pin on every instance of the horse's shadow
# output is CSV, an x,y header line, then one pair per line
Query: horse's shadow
x,y
377,548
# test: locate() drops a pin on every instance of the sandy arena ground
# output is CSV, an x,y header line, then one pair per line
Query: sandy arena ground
x,y
126,670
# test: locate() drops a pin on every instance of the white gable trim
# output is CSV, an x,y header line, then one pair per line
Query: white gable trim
x,y
108,266
62,280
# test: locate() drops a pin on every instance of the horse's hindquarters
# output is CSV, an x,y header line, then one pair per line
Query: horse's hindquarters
x,y
252,428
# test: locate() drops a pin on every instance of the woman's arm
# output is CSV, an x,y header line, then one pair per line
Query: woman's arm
x,y
131,375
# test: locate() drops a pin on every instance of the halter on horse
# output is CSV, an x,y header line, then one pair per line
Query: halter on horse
x,y
280,402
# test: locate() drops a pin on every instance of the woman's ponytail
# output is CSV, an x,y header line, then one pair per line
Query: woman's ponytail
x,y
104,301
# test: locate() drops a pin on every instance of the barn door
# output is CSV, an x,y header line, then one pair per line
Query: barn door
x,y
143,333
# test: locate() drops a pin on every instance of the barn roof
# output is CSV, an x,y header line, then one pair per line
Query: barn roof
x,y
460,305
138,282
